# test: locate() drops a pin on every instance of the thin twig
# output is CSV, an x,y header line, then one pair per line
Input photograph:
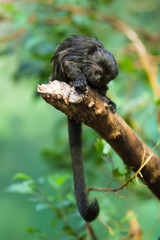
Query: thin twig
x,y
125,183
91,232
107,226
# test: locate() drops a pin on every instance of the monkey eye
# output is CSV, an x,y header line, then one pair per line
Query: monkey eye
x,y
98,72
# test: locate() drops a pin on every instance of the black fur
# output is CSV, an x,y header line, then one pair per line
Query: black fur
x,y
82,61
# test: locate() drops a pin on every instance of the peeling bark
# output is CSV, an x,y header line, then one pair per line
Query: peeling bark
x,y
92,109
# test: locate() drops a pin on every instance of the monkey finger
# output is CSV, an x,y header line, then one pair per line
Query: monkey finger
x,y
80,84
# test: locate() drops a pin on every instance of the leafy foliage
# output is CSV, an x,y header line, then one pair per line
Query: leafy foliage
x,y
53,199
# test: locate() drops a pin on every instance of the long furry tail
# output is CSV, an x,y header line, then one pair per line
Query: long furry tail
x,y
89,212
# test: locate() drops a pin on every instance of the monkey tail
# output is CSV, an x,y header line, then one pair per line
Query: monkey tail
x,y
88,212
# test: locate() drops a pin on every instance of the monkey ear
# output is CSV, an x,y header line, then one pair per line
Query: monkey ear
x,y
92,49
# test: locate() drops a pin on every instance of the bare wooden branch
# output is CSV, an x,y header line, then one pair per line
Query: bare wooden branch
x,y
93,110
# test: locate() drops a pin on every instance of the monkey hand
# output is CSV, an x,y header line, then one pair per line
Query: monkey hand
x,y
112,105
80,84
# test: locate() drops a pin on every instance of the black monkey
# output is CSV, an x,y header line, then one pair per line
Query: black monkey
x,y
82,61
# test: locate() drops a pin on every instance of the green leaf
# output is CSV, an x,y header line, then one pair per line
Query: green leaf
x,y
157,101
23,188
102,147
60,180
116,173
31,230
9,7
99,145
68,230
106,148
127,218
41,206
21,176
57,181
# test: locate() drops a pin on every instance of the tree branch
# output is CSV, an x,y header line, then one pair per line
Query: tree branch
x,y
93,110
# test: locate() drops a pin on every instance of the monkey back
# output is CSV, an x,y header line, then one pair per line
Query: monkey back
x,y
81,61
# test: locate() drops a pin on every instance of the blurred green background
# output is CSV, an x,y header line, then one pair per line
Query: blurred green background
x,y
36,197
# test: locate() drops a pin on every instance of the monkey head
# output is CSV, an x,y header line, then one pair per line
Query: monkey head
x,y
101,68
